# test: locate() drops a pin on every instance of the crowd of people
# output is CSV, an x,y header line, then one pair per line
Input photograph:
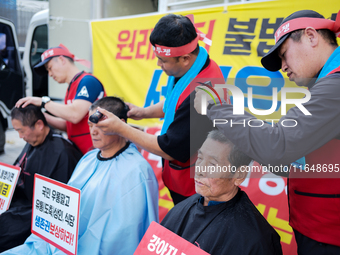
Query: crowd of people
x,y
119,190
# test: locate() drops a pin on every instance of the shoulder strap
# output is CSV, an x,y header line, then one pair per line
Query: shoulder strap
x,y
336,70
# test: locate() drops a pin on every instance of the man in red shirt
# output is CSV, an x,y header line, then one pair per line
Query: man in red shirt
x,y
175,42
83,90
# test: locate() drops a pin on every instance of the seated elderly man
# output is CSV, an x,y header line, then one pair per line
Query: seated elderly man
x,y
45,153
119,194
221,219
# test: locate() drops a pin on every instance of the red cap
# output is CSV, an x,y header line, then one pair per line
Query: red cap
x,y
61,50
297,20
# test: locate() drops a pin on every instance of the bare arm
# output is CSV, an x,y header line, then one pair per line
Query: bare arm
x,y
73,113
56,122
153,111
113,125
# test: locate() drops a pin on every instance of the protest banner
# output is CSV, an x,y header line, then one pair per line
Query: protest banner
x,y
8,181
55,215
159,240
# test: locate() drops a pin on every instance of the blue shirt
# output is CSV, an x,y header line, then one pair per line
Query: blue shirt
x,y
89,89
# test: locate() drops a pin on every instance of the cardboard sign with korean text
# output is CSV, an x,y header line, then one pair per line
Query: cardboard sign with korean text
x,y
55,215
160,240
8,181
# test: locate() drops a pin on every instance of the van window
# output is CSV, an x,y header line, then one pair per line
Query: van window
x,y
39,44
8,53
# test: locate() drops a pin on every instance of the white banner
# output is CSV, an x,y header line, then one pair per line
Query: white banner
x,y
8,181
55,215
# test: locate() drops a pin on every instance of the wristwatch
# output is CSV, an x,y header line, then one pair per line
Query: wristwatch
x,y
44,100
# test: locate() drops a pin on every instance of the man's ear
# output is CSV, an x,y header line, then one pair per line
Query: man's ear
x,y
39,125
62,59
239,176
312,36
185,59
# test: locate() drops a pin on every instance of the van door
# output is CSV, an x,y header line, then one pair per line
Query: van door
x,y
11,74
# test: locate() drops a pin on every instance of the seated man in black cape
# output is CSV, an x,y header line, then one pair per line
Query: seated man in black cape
x,y
45,153
221,219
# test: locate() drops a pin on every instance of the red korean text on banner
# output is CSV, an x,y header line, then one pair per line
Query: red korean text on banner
x,y
160,240
132,43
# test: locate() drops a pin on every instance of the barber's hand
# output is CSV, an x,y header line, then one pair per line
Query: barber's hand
x,y
23,102
135,112
110,124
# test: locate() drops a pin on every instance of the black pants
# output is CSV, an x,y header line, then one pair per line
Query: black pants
x,y
15,225
307,246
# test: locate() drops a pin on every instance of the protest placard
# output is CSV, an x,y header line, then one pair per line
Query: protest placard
x,y
8,181
159,240
55,214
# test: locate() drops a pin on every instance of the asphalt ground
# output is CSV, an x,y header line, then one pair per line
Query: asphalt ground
x,y
13,147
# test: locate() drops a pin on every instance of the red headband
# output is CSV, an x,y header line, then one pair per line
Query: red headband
x,y
301,23
165,51
61,50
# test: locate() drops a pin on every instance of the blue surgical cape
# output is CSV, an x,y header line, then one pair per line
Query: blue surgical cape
x,y
119,200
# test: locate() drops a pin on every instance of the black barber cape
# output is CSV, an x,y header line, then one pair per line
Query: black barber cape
x,y
55,158
233,227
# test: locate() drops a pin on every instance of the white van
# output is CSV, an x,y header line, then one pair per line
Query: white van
x,y
17,78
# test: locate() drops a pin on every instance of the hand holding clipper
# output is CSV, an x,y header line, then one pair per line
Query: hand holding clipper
x,y
94,118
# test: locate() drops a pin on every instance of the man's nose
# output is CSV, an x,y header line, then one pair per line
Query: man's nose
x,y
94,130
284,65
159,63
